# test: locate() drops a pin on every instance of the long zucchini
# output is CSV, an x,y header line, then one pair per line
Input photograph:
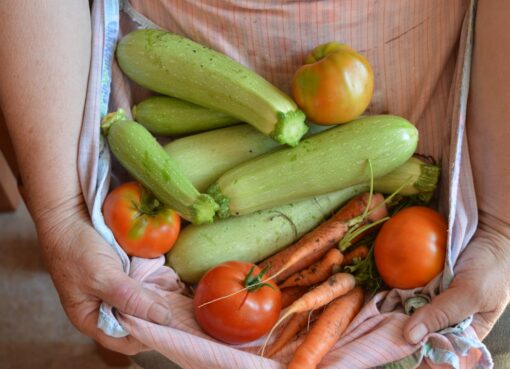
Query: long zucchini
x,y
328,161
164,115
146,160
255,236
252,237
176,66
204,157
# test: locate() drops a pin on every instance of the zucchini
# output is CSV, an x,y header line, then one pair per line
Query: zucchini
x,y
204,157
176,66
166,116
255,236
252,237
146,160
325,162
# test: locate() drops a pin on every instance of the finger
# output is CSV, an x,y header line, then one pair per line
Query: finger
x,y
129,297
446,309
125,345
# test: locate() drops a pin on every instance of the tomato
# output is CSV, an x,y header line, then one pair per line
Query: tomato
x,y
141,225
410,248
335,85
242,317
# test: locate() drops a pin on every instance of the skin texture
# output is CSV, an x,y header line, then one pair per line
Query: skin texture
x,y
481,286
43,82
42,90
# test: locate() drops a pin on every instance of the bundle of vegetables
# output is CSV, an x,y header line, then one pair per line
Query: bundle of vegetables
x,y
266,203
176,66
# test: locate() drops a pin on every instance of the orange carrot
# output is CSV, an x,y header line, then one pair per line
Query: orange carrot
x,y
290,330
327,330
335,286
317,272
314,245
291,294
360,252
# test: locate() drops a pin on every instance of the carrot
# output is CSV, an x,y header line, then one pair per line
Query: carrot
x,y
312,247
335,286
291,294
327,330
291,329
317,272
360,252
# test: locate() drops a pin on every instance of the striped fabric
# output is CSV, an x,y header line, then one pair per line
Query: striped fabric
x,y
420,51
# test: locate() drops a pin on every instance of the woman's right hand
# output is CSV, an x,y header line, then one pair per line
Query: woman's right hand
x,y
87,271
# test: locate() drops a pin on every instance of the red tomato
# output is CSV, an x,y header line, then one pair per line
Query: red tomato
x,y
410,248
141,225
242,317
335,85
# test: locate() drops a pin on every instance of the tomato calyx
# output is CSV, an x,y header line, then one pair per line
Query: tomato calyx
x,y
149,204
254,282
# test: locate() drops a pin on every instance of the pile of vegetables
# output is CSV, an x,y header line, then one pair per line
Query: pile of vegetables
x,y
277,212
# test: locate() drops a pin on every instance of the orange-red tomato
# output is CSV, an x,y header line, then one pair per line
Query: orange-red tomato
x,y
242,317
335,85
141,225
410,248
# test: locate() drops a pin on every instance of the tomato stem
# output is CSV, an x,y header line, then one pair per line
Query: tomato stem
x,y
254,282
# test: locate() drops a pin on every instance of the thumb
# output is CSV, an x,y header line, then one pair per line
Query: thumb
x,y
446,309
130,297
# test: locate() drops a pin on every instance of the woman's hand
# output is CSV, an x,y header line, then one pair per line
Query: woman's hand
x,y
86,271
481,288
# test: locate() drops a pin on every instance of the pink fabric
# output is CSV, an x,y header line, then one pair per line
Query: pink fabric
x,y
419,50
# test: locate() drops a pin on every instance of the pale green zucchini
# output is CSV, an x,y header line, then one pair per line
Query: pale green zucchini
x,y
252,237
176,66
146,160
255,236
328,161
167,116
204,157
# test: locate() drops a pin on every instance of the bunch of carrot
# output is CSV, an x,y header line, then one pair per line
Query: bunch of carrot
x,y
309,275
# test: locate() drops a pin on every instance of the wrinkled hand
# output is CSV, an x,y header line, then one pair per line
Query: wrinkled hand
x,y
480,288
86,271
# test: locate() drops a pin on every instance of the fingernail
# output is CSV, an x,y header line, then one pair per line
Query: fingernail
x,y
417,333
159,314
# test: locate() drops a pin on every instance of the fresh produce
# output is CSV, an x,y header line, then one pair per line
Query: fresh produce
x,y
167,116
141,225
327,330
291,294
252,237
334,159
204,157
242,317
176,66
144,158
256,236
358,253
336,285
335,85
317,272
410,248
315,244
295,324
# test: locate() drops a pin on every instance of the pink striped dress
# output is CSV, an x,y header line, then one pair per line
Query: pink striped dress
x,y
420,51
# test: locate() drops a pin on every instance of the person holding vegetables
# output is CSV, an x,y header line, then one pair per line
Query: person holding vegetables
x,y
43,83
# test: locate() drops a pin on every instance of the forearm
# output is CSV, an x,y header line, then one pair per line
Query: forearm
x,y
488,124
45,58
